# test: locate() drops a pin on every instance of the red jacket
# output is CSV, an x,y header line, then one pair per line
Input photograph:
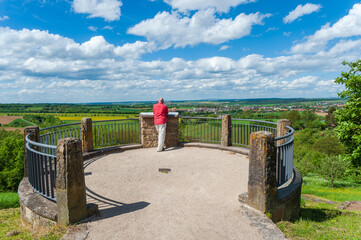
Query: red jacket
x,y
160,112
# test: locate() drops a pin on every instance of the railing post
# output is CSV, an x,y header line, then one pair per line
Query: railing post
x,y
226,138
70,182
262,183
87,134
34,132
282,129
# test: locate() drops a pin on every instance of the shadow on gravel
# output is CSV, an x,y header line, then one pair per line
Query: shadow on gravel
x,y
109,208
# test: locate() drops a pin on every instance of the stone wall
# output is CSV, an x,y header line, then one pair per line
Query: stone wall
x,y
149,135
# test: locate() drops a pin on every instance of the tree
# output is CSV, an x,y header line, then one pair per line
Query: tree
x,y
333,167
349,118
330,117
328,145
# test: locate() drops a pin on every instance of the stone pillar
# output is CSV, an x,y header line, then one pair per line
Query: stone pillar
x,y
87,134
149,135
226,138
70,182
34,132
282,130
262,183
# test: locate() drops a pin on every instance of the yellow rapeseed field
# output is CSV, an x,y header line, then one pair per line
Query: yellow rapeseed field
x,y
94,118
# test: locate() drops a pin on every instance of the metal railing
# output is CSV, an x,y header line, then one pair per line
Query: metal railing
x,y
51,135
284,157
41,162
200,129
115,132
242,129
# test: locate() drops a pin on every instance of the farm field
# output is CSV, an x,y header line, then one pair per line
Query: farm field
x,y
8,119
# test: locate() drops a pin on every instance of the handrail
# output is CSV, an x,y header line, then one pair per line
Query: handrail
x,y
38,144
114,120
64,125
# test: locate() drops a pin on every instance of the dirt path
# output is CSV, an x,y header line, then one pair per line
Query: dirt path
x,y
197,199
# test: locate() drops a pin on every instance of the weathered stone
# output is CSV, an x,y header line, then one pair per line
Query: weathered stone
x,y
87,134
282,129
262,184
70,183
34,136
226,138
149,134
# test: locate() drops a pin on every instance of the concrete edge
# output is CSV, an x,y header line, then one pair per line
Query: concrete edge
x,y
265,227
239,150
37,212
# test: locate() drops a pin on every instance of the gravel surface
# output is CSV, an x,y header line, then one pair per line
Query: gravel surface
x,y
196,199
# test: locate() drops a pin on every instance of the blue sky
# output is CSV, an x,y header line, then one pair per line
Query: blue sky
x,y
122,50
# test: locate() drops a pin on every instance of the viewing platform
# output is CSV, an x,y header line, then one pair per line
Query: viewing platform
x,y
217,178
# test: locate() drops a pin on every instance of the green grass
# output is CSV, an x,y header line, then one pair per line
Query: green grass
x,y
18,123
343,191
9,200
10,223
322,220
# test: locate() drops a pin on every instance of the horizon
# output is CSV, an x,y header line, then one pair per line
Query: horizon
x,y
82,51
194,100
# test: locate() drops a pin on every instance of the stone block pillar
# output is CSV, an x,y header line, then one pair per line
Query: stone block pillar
x,y
262,183
226,138
34,132
149,135
70,182
282,130
87,134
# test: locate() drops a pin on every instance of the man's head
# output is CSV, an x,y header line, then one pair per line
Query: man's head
x,y
161,100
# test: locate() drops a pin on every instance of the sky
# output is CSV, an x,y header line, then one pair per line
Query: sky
x,y
79,51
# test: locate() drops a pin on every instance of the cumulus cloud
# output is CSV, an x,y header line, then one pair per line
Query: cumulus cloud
x,y
3,18
169,29
107,9
34,61
221,6
92,28
300,11
347,26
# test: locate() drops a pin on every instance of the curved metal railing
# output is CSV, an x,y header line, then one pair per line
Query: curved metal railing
x,y
42,156
41,162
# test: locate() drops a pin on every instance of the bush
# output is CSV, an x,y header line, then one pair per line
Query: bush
x,y
11,160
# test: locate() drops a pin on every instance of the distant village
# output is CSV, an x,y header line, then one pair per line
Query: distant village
x,y
320,108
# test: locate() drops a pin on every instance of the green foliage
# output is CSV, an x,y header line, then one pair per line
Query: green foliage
x,y
9,200
330,117
43,121
349,118
333,167
11,160
18,123
328,145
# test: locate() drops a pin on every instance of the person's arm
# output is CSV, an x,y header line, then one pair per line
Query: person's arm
x,y
166,110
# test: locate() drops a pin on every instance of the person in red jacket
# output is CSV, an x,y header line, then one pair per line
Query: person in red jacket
x,y
160,112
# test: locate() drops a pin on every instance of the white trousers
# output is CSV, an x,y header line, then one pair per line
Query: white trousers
x,y
161,128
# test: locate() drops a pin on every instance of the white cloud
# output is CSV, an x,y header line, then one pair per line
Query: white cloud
x,y
92,28
169,29
347,26
108,27
300,11
62,70
221,6
224,47
3,18
107,9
